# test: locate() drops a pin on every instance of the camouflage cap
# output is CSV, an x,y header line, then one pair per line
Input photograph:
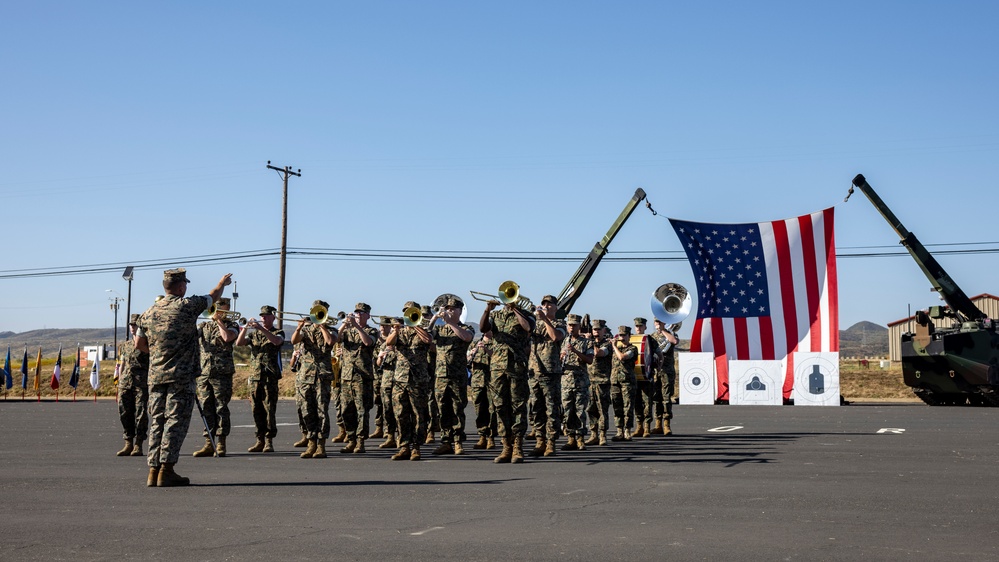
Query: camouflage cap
x,y
410,304
572,319
624,330
267,309
454,301
599,324
549,298
133,319
362,307
639,321
425,310
224,301
174,275
322,303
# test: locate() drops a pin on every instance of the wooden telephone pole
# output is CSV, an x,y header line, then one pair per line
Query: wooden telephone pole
x,y
285,173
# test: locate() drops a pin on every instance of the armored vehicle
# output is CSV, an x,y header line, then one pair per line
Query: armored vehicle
x,y
952,358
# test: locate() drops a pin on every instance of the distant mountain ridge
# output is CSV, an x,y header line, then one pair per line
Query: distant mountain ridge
x,y
863,339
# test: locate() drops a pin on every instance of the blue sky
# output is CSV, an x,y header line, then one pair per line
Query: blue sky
x,y
141,131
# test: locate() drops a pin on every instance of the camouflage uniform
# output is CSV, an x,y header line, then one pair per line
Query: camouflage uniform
x,y
357,380
485,413
315,364
545,368
451,381
133,391
264,376
410,379
575,386
215,382
384,375
336,394
508,372
600,395
623,385
667,376
169,327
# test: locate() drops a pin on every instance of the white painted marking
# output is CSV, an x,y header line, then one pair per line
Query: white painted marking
x,y
418,533
725,428
256,426
895,430
573,492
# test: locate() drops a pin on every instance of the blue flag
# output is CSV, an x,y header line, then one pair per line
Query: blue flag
x,y
74,378
24,370
8,381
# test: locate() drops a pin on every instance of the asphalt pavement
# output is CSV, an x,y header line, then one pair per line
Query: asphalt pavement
x,y
874,481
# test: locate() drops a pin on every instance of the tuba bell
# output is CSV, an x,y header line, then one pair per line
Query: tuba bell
x,y
671,303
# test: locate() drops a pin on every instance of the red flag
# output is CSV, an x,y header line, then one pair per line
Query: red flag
x,y
764,290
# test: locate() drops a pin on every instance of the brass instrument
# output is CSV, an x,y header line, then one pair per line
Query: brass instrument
x,y
387,320
412,316
671,303
319,314
438,306
509,293
230,315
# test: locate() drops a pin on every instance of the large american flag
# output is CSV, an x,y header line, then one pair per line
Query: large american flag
x,y
764,290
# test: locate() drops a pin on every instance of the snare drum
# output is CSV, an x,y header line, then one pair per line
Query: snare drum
x,y
643,365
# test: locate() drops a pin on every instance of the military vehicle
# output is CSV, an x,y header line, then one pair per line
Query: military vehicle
x,y
952,359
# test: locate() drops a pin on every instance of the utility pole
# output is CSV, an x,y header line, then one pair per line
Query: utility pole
x,y
285,172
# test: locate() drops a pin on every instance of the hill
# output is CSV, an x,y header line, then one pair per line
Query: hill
x,y
50,339
864,339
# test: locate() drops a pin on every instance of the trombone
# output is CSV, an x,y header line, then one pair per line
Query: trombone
x,y
230,315
509,293
412,316
319,314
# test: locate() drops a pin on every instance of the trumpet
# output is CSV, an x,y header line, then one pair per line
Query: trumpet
x,y
509,293
412,316
387,320
230,315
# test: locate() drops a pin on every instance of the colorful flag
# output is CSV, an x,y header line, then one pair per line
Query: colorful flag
x,y
57,370
24,370
74,378
8,380
764,290
38,373
95,372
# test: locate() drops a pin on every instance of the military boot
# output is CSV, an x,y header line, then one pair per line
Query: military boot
x,y
342,436
603,438
539,447
593,440
220,446
481,443
168,478
517,455
550,448
507,453
658,428
627,434
402,455
570,445
389,442
415,455
268,445
430,438
320,449
378,434
206,451
639,430
349,448
257,447
137,449
458,449
154,476
359,446
311,450
619,436
648,429
126,450
580,444
490,442
444,449
303,442
666,428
